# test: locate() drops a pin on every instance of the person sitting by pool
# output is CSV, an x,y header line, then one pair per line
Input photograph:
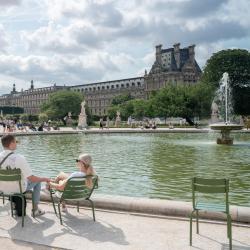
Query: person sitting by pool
x,y
84,164
154,125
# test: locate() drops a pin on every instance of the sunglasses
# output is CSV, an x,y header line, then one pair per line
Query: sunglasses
x,y
77,160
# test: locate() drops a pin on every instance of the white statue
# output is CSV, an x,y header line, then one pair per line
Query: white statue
x,y
82,120
118,119
83,107
215,112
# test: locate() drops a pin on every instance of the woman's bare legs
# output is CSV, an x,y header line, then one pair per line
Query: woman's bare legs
x,y
60,177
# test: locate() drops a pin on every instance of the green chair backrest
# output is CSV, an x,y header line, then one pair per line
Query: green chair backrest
x,y
77,189
210,186
9,175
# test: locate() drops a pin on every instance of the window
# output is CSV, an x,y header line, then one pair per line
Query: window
x,y
127,85
117,86
138,84
112,86
107,87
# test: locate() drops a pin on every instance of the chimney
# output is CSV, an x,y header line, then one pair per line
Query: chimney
x,y
158,53
32,85
191,52
177,55
14,88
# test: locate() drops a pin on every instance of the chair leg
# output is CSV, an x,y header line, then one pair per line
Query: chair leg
x,y
190,231
197,221
78,206
11,206
229,230
93,208
33,205
52,199
59,211
22,210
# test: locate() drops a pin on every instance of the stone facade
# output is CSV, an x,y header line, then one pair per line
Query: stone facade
x,y
30,100
100,95
172,65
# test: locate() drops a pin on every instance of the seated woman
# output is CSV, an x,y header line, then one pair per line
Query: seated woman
x,y
84,164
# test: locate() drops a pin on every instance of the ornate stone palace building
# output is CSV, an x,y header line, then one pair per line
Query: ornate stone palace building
x,y
171,66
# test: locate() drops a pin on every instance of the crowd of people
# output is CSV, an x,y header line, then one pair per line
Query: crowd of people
x,y
17,125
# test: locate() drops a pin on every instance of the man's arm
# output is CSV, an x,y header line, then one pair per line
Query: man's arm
x,y
34,178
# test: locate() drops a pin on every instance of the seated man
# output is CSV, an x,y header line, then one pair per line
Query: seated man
x,y
29,181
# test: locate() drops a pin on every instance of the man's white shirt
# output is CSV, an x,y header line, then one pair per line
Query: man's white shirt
x,y
15,161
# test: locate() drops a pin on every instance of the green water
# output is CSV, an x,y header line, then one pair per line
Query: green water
x,y
146,165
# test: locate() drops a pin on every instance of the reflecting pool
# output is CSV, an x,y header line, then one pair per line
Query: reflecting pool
x,y
146,165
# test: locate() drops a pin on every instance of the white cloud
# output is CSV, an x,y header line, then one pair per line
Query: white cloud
x,y
4,40
75,42
4,3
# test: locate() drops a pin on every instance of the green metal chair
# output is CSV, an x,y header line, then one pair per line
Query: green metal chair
x,y
12,175
75,190
210,186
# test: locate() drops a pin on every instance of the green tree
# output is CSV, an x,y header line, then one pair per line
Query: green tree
x,y
236,63
126,109
112,111
24,117
182,100
141,108
43,117
201,99
62,102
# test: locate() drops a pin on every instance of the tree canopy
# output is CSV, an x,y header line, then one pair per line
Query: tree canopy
x,y
62,102
236,62
181,100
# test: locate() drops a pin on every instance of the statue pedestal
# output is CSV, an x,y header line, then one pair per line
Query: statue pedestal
x,y
118,122
82,121
214,118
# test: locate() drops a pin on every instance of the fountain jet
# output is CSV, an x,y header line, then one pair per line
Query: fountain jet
x,y
226,108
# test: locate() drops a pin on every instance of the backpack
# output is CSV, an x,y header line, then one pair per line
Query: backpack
x,y
18,204
16,199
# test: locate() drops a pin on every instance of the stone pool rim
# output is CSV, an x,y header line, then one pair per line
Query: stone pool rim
x,y
158,207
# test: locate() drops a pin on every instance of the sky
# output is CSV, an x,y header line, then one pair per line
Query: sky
x,y
70,42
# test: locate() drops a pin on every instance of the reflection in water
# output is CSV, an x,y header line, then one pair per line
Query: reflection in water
x,y
146,165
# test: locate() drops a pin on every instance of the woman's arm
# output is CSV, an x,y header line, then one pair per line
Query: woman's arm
x,y
58,186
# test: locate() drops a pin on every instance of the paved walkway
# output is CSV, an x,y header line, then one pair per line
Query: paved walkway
x,y
113,231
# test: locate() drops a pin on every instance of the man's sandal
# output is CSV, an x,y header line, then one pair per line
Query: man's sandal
x,y
37,212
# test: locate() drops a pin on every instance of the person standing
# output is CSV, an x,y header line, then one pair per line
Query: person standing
x,y
9,158
101,123
107,123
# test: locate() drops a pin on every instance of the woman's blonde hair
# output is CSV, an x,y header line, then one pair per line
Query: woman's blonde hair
x,y
87,160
